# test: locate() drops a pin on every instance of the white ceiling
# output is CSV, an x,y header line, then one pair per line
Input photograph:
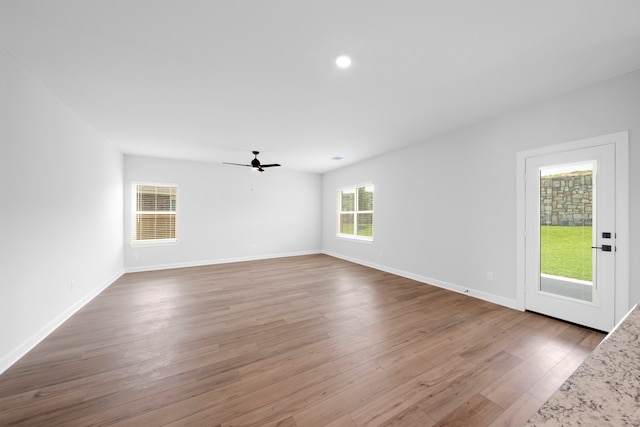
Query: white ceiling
x,y
212,80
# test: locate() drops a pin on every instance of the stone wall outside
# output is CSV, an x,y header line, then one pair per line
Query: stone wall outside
x,y
567,199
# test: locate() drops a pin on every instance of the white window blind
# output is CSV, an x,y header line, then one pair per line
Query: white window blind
x,y
155,213
355,212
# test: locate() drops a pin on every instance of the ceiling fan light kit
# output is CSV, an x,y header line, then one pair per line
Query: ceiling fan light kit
x,y
255,163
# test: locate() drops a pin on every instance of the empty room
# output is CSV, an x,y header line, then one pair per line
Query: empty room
x,y
332,213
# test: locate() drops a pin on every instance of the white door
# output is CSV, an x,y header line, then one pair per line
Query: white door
x,y
570,236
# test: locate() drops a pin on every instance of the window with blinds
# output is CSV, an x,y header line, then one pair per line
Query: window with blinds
x,y
355,212
154,213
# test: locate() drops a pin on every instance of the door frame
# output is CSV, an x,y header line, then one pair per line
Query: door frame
x,y
621,143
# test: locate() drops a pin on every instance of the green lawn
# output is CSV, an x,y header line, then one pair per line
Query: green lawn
x,y
566,251
363,230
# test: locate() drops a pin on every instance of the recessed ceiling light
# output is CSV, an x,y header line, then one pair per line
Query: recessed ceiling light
x,y
343,61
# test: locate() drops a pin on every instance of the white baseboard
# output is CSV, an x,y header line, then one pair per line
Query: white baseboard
x,y
215,261
496,299
17,353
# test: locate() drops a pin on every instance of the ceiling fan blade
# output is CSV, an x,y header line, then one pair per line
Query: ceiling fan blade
x,y
235,164
269,166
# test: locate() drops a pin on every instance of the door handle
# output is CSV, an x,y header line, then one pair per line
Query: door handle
x,y
604,248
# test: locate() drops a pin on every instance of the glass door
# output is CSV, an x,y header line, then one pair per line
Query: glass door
x,y
566,230
570,237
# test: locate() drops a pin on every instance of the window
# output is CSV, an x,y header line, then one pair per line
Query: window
x,y
154,213
355,212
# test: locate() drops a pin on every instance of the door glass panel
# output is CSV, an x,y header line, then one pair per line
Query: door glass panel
x,y
566,234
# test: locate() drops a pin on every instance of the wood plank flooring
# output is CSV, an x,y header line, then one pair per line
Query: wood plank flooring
x,y
300,341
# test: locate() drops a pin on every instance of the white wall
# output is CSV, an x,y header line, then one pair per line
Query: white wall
x,y
61,211
445,209
227,213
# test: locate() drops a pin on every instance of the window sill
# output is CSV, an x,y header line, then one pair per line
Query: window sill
x,y
349,238
167,242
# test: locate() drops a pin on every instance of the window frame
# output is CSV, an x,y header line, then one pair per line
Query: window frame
x,y
135,212
355,212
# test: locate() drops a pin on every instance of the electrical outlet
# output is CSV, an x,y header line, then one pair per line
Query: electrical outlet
x,y
489,275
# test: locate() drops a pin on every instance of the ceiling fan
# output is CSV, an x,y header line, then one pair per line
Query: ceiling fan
x,y
255,163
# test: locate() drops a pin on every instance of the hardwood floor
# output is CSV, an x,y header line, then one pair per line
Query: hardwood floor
x,y
301,341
